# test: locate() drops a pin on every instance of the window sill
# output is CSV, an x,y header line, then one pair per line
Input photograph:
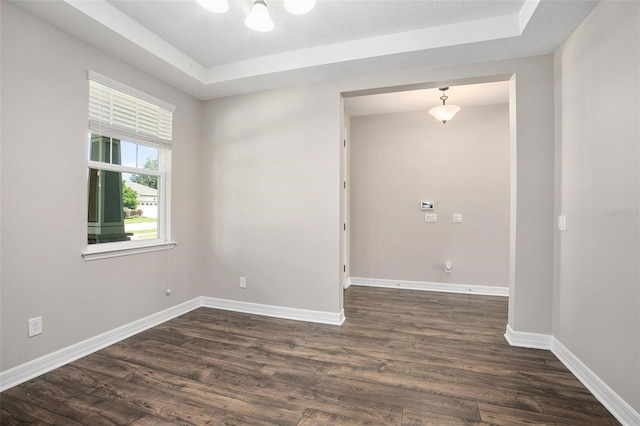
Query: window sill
x,y
108,250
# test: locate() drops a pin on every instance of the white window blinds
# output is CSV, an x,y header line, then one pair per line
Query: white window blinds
x,y
119,111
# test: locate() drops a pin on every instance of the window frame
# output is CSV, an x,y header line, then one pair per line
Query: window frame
x,y
163,240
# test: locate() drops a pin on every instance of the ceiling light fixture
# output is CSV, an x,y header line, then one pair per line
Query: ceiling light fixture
x,y
299,7
259,19
444,112
217,6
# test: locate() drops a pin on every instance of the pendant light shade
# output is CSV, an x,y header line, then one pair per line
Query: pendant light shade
x,y
299,7
217,6
259,19
444,112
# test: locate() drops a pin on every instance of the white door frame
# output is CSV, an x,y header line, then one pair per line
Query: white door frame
x,y
345,207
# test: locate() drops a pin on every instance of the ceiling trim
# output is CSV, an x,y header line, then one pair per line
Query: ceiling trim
x,y
493,78
118,22
410,41
526,12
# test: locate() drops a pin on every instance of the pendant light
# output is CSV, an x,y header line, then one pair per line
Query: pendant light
x,y
444,112
259,19
299,7
217,6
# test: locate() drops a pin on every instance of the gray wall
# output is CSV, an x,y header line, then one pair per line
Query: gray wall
x,y
397,160
44,202
597,302
272,198
268,168
532,152
271,163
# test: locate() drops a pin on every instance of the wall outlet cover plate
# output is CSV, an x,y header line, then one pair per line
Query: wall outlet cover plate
x,y
431,217
35,326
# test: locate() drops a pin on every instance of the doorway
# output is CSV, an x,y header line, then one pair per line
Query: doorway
x,y
427,270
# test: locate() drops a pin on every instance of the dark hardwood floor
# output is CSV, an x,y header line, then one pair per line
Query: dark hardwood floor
x,y
401,358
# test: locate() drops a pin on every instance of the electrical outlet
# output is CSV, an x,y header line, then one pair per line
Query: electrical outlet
x,y
35,326
448,267
243,282
431,217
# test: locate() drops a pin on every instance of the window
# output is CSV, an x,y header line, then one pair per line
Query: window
x,y
129,151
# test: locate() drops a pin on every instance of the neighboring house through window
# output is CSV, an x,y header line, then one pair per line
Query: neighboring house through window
x,y
129,151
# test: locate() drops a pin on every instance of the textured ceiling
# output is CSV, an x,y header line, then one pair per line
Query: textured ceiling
x,y
213,55
217,39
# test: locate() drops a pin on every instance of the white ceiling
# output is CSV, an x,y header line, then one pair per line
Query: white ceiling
x,y
219,39
212,55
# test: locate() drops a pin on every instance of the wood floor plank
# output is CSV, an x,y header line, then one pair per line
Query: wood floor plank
x,y
518,381
218,391
238,420
15,411
475,393
505,416
412,416
314,417
402,358
79,407
337,402
379,393
167,403
148,420
578,409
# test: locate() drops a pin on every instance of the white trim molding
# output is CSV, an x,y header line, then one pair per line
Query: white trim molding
x,y
49,362
322,317
347,282
430,286
617,406
524,339
109,250
452,34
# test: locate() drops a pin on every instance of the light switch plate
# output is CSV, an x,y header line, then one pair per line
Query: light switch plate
x,y
562,223
431,217
457,218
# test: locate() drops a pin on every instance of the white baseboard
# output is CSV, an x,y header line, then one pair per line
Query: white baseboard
x,y
29,370
528,340
44,364
322,317
347,283
617,406
49,362
429,286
